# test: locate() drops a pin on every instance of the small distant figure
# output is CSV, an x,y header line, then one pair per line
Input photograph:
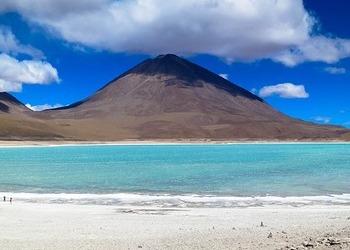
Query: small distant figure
x,y
4,198
11,200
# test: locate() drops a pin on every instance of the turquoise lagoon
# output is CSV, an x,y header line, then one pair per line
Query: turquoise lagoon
x,y
212,175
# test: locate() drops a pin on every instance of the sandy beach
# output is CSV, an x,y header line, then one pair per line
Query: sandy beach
x,y
65,226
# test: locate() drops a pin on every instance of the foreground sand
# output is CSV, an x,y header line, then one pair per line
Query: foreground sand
x,y
64,226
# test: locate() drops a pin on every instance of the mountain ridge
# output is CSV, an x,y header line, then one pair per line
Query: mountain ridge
x,y
168,98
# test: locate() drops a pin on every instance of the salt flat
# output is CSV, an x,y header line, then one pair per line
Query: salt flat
x,y
65,226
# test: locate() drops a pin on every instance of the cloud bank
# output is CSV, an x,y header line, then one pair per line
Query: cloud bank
x,y
284,90
237,30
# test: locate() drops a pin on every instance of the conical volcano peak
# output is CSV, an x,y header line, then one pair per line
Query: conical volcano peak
x,y
188,74
167,57
170,59
170,70
168,64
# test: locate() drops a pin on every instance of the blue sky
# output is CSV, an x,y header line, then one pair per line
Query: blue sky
x,y
75,63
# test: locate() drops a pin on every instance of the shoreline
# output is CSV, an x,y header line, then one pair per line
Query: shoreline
x,y
8,144
26,226
166,200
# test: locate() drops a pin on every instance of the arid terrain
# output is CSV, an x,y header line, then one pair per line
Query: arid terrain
x,y
26,226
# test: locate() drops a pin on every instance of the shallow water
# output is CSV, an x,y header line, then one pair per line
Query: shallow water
x,y
179,175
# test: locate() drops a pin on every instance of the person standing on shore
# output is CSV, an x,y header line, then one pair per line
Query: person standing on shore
x,y
11,200
4,198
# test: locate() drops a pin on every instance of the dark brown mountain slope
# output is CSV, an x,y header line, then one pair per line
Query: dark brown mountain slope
x,y
171,98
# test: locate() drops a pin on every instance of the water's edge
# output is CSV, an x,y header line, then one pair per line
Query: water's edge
x,y
177,201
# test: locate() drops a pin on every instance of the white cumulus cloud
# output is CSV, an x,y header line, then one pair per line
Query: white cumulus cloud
x,y
237,30
284,90
335,70
14,73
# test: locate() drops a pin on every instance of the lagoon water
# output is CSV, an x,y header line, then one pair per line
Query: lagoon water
x,y
222,175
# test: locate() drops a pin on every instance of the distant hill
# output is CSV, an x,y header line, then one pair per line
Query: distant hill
x,y
17,122
171,98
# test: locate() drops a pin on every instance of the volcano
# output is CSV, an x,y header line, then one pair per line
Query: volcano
x,y
168,97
